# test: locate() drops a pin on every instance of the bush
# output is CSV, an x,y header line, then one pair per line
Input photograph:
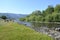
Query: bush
x,y
3,17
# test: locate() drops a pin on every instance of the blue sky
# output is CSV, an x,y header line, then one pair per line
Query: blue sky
x,y
25,6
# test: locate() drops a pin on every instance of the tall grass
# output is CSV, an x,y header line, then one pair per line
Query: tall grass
x,y
15,31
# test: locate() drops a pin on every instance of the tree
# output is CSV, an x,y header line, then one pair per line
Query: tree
x,y
22,19
57,17
3,17
57,8
49,10
36,12
43,13
51,14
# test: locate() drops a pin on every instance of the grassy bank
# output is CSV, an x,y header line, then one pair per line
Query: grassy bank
x,y
14,31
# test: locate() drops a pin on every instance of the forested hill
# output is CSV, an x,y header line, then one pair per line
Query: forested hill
x,y
50,14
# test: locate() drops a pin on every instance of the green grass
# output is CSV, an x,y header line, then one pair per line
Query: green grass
x,y
14,31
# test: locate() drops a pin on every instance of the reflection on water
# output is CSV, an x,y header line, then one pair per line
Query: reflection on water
x,y
38,25
44,24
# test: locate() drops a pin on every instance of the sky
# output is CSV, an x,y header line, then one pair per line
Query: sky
x,y
25,6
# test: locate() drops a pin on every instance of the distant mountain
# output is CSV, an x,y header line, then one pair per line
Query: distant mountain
x,y
13,16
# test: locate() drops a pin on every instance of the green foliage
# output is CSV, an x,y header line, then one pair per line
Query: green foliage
x,y
57,8
37,12
56,17
43,13
22,19
51,14
49,10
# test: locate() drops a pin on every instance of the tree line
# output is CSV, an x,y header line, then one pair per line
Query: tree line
x,y
50,14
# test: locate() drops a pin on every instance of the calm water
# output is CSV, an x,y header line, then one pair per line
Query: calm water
x,y
39,25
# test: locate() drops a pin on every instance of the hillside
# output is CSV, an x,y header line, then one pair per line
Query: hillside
x,y
13,16
14,31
